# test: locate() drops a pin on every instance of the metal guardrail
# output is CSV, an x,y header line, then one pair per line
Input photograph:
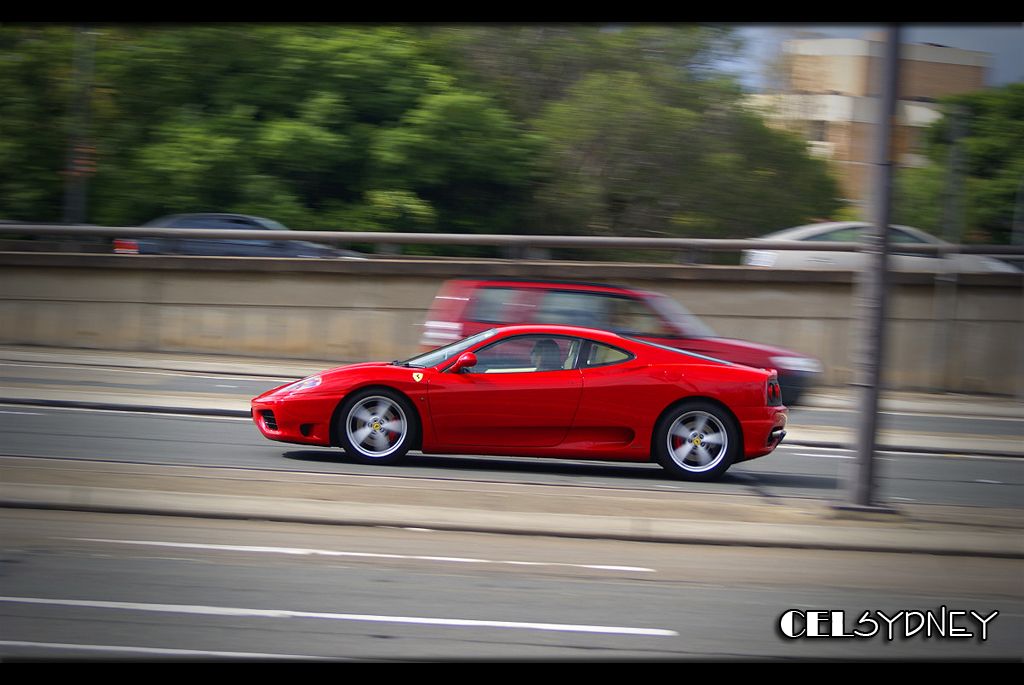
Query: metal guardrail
x,y
496,240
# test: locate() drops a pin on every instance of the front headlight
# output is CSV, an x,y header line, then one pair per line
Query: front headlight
x,y
304,384
805,364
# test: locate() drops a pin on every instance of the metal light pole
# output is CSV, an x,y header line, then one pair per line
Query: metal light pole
x,y
80,155
872,287
946,274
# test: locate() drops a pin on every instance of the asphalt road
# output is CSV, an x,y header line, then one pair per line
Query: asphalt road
x,y
15,374
92,586
235,443
76,585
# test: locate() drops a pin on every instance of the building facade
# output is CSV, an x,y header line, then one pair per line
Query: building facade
x,y
830,93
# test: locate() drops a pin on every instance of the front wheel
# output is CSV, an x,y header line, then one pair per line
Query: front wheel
x,y
377,426
696,441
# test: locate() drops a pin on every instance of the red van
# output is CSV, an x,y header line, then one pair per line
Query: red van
x,y
464,307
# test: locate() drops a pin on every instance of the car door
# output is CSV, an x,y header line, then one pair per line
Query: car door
x,y
615,398
514,397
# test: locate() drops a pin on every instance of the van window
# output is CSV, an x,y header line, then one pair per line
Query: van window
x,y
495,305
599,310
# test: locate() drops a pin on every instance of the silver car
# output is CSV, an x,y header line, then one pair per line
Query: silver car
x,y
850,232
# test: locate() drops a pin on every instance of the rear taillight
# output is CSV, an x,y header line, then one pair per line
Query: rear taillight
x,y
774,393
126,246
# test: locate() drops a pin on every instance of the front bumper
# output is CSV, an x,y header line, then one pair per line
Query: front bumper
x,y
306,421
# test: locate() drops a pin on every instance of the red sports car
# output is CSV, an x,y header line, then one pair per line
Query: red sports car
x,y
540,391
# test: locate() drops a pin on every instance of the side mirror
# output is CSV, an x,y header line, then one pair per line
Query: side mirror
x,y
466,360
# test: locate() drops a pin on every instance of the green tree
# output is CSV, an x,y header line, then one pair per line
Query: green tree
x,y
35,92
645,136
993,167
555,129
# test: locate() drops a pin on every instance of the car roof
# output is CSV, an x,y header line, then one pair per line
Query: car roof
x,y
807,230
214,215
578,286
557,329
600,334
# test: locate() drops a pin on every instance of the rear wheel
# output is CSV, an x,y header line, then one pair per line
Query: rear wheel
x,y
696,441
377,426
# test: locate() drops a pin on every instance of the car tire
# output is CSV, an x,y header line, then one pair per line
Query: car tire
x,y
377,426
697,440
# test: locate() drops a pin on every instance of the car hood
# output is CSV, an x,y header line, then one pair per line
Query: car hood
x,y
331,379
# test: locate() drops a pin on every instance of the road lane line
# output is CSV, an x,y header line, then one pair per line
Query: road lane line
x,y
370,618
171,415
914,414
176,374
823,456
163,651
368,555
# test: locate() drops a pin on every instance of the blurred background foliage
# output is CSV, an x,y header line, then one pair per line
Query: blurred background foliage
x,y
633,130
989,181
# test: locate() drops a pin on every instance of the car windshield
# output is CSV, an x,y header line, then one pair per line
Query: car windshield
x,y
679,315
441,354
273,225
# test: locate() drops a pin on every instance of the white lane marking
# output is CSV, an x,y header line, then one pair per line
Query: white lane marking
x,y
823,456
162,414
121,649
371,618
921,414
991,482
225,386
787,450
366,555
180,374
21,413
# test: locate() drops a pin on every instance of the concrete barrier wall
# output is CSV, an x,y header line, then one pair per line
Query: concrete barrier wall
x,y
967,339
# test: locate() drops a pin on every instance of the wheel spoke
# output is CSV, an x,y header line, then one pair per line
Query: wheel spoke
x,y
395,426
699,428
684,450
380,441
360,435
682,432
363,414
713,439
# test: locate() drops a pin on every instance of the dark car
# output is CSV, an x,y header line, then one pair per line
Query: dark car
x,y
224,246
464,307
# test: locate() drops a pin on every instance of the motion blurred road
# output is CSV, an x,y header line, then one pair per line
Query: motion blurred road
x,y
86,585
104,586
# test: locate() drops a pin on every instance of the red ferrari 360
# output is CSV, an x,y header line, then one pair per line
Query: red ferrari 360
x,y
538,391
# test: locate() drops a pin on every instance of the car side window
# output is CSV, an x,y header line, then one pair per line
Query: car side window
x,y
629,316
599,354
573,308
496,305
841,235
600,310
193,222
528,354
